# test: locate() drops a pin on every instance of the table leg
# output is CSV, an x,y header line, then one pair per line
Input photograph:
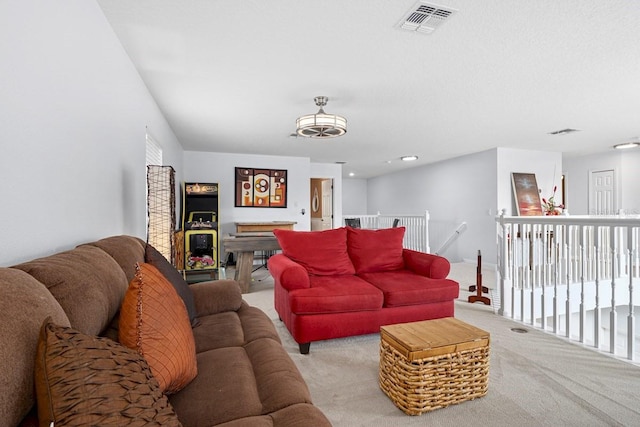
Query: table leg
x,y
244,265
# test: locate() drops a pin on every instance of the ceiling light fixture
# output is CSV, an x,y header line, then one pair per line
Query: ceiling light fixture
x,y
408,158
321,124
625,145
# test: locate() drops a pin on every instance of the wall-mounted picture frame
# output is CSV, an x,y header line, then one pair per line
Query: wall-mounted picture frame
x,y
260,188
526,194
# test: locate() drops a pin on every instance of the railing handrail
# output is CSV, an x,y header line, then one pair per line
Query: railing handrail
x,y
596,220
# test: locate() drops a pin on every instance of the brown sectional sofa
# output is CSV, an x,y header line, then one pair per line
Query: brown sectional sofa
x,y
245,377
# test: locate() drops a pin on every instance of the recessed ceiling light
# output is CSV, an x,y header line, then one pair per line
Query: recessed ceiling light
x,y
625,145
408,158
351,174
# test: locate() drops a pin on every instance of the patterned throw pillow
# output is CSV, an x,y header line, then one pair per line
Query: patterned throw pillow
x,y
154,321
84,380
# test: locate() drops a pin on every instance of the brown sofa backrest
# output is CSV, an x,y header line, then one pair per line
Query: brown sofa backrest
x,y
82,288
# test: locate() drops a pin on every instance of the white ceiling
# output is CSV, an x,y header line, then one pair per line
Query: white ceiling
x,y
233,75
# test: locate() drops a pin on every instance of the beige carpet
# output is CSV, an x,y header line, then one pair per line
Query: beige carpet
x,y
535,379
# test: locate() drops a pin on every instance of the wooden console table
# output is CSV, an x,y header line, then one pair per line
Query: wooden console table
x,y
244,227
244,245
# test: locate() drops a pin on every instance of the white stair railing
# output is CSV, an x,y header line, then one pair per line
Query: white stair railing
x,y
416,236
452,238
562,273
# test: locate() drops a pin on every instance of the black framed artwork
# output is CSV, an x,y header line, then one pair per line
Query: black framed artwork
x,y
260,188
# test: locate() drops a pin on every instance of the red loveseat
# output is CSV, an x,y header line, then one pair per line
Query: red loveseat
x,y
350,281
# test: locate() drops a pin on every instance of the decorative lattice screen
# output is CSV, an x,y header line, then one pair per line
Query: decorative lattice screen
x,y
161,209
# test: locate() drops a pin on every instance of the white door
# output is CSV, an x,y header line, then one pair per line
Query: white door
x,y
327,204
602,192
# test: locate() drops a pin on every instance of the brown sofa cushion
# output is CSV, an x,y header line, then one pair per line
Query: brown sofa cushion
x,y
154,321
83,380
24,304
155,258
216,296
224,390
126,250
86,281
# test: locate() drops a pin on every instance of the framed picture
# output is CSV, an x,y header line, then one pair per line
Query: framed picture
x,y
525,191
260,188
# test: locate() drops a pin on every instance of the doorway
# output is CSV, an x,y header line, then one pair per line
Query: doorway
x,y
602,192
321,204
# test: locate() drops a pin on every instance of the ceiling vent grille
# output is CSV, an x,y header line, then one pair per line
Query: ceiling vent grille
x,y
563,131
426,17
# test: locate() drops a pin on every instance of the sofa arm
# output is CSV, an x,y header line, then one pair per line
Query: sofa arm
x,y
429,265
288,273
216,296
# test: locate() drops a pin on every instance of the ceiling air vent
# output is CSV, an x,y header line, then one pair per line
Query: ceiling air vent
x,y
563,131
426,17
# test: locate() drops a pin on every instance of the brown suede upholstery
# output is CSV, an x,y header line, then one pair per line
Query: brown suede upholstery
x,y
87,283
126,250
24,304
245,377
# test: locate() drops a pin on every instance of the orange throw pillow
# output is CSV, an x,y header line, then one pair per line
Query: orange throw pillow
x,y
154,321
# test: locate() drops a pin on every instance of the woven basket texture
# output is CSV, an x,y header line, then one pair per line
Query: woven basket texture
x,y
431,383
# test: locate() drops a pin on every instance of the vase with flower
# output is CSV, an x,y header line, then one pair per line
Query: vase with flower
x,y
549,206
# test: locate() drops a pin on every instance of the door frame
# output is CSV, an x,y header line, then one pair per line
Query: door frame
x,y
615,190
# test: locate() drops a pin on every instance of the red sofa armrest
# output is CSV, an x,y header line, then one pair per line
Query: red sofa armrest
x,y
288,273
429,265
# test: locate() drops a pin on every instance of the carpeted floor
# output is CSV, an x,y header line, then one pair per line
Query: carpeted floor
x,y
535,379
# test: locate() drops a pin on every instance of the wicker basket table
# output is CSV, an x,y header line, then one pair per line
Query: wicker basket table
x,y
433,364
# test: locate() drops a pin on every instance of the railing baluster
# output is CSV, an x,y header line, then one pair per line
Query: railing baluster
x,y
583,258
631,324
613,315
567,251
597,315
583,310
556,280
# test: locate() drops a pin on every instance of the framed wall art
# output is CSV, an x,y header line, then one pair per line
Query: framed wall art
x,y
527,196
260,188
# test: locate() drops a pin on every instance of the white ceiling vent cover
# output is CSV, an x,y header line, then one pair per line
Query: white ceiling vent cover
x,y
426,17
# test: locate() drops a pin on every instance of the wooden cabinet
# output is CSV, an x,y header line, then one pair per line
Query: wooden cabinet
x,y
251,227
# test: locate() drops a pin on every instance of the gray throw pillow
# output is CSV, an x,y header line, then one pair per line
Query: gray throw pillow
x,y
156,259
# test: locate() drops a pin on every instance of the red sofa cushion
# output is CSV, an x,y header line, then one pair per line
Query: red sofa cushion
x,y
403,287
322,253
335,295
375,250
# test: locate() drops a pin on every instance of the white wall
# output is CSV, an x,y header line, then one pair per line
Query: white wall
x,y
355,196
220,168
73,117
630,182
453,191
471,189
625,164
